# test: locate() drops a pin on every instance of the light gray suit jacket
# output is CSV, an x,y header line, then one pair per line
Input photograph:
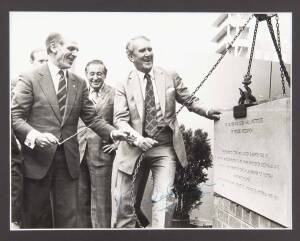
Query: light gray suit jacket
x,y
129,113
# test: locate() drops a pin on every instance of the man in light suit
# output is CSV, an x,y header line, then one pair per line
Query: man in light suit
x,y
145,106
96,154
46,107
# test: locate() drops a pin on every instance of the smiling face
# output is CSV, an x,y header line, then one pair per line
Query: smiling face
x,y
142,56
65,52
95,74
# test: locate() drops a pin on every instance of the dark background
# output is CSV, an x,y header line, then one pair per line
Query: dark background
x,y
140,6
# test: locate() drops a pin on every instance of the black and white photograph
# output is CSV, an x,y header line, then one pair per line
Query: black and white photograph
x,y
150,120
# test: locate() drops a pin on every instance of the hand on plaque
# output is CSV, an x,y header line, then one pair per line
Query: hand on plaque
x,y
213,114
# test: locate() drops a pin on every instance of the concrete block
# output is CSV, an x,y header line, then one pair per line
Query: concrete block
x,y
239,211
217,223
264,222
223,216
234,222
246,215
254,219
246,226
276,225
232,208
226,204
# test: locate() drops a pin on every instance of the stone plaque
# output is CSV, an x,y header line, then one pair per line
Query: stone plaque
x,y
252,160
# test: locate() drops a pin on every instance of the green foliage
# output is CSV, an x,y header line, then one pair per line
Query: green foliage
x,y
187,179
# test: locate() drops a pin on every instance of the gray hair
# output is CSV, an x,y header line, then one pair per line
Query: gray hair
x,y
53,38
130,44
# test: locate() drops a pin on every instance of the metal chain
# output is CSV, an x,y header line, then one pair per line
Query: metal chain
x,y
278,51
252,48
186,103
132,187
279,47
215,65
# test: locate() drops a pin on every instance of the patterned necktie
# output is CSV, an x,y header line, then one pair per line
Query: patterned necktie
x,y
95,96
62,93
150,125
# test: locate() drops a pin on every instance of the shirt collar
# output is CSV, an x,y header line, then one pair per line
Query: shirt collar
x,y
54,69
100,90
142,74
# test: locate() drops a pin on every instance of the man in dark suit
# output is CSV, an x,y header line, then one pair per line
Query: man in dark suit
x,y
96,154
37,57
16,183
145,106
46,107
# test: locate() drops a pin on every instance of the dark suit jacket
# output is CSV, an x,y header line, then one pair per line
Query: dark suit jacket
x,y
129,113
35,106
91,142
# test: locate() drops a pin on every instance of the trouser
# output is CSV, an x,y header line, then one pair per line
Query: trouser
x,y
161,160
84,197
57,186
16,186
95,193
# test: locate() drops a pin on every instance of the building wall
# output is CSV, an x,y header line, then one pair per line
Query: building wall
x,y
264,48
229,214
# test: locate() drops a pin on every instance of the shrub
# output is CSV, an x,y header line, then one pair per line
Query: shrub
x,y
187,180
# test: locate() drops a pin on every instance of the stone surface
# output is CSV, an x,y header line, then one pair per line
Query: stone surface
x,y
264,223
232,208
252,161
246,216
254,219
234,222
239,210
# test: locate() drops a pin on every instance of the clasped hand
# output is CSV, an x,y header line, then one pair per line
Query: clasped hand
x,y
45,140
145,143
119,135
111,147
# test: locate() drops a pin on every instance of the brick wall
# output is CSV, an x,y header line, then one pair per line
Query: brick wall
x,y
228,214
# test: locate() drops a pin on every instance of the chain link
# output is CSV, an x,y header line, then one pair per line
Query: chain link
x,y
186,103
215,65
252,48
279,47
132,187
278,51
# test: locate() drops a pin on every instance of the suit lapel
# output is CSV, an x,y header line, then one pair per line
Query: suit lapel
x,y
71,95
135,87
160,83
46,84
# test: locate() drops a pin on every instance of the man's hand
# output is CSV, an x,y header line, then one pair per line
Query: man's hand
x,y
119,135
145,143
213,114
110,148
45,140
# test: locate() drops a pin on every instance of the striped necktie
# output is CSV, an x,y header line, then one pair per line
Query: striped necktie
x,y
150,125
94,96
62,93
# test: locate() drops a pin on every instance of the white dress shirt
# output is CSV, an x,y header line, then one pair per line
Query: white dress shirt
x,y
95,95
143,82
32,135
55,75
